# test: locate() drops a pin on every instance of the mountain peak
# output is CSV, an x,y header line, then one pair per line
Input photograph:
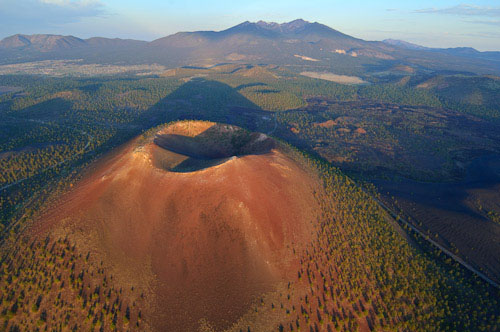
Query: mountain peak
x,y
404,44
296,30
42,42
296,24
286,27
14,41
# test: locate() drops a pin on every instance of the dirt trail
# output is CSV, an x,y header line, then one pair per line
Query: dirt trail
x,y
437,245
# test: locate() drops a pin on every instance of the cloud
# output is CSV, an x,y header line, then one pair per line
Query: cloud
x,y
463,10
47,13
486,22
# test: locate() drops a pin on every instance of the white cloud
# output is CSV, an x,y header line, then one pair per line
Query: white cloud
x,y
486,22
73,3
46,13
463,10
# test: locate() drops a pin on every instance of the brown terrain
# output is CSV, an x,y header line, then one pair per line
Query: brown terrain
x,y
463,216
202,220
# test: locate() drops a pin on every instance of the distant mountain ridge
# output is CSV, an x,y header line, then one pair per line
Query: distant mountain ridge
x,y
456,51
47,43
404,44
41,42
299,29
296,43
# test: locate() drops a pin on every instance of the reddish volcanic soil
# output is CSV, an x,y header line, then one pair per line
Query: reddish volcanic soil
x,y
203,218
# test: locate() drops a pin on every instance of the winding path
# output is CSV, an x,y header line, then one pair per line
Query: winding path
x,y
435,244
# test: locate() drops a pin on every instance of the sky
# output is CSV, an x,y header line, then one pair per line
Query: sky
x,y
437,23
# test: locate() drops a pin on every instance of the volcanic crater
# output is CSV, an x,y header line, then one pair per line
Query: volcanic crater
x,y
196,146
202,218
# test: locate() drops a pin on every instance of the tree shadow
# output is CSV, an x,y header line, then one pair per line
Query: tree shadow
x,y
46,110
91,88
249,85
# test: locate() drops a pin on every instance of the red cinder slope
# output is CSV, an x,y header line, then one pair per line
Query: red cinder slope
x,y
203,218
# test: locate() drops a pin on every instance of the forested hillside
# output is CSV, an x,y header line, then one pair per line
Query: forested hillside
x,y
362,270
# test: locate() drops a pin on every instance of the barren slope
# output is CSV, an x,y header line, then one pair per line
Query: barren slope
x,y
203,218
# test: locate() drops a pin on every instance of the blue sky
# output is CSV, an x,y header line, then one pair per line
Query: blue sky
x,y
438,23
